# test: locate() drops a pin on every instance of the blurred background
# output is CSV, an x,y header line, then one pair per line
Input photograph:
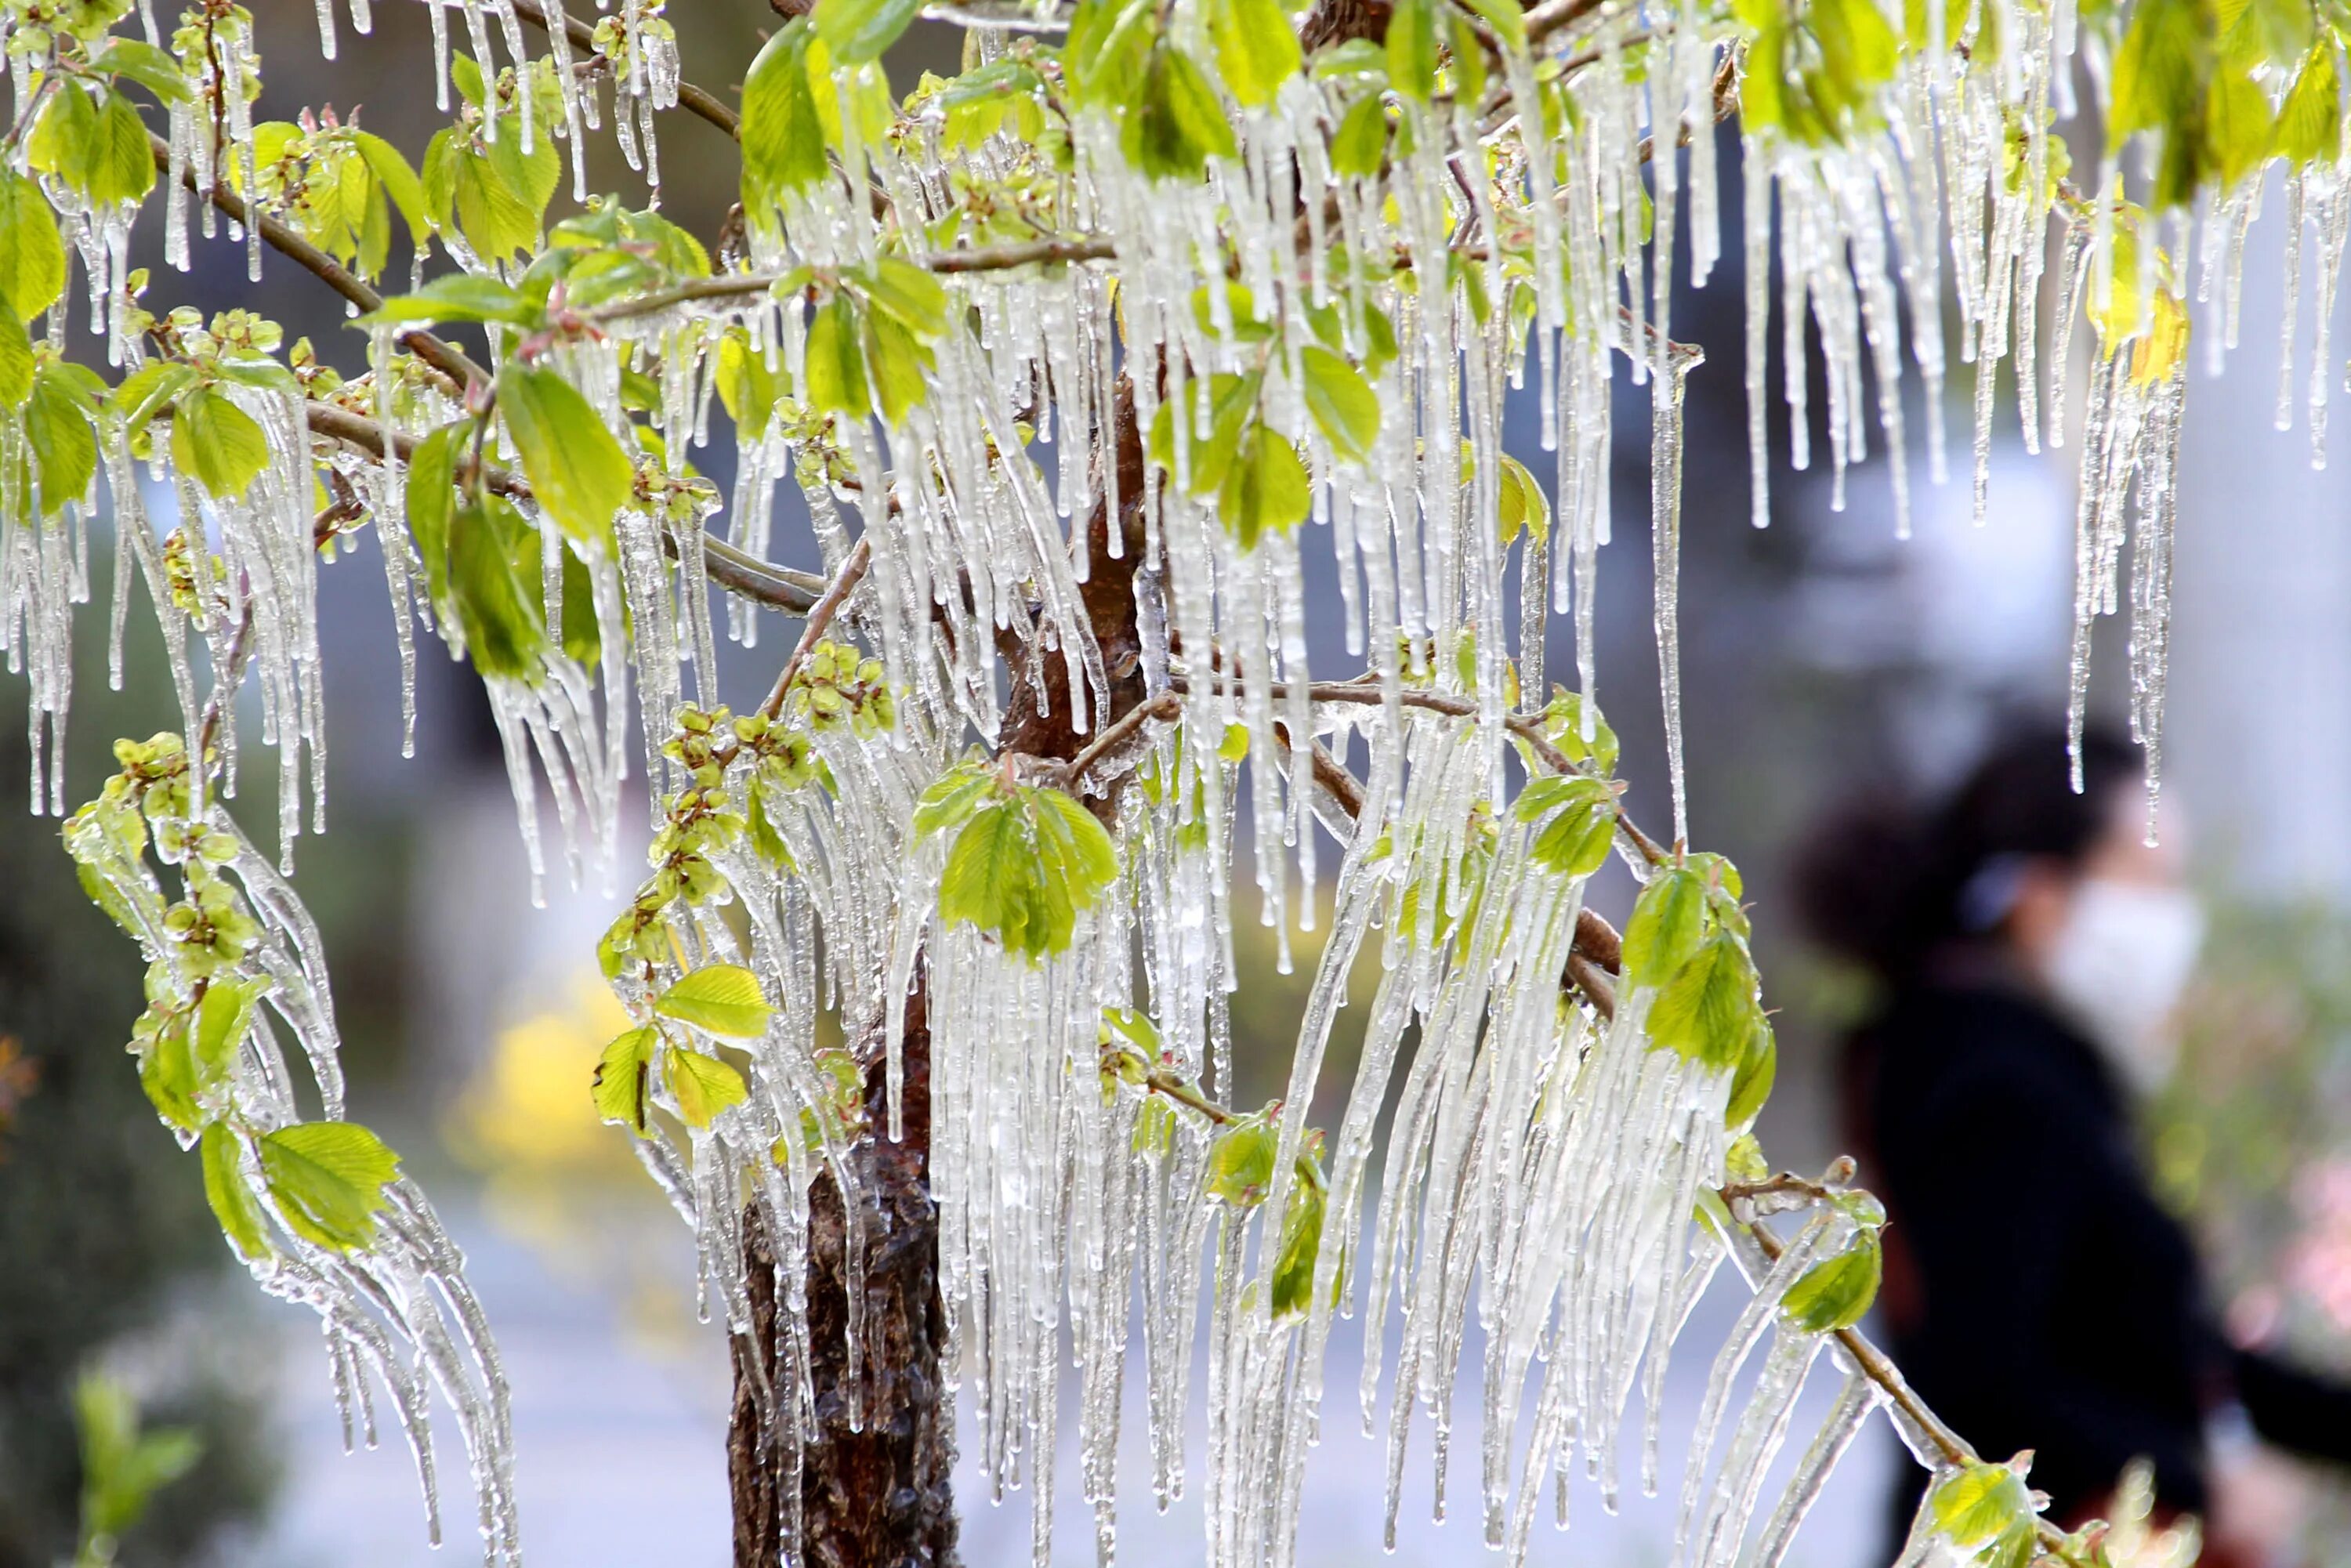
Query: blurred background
x,y
1818,654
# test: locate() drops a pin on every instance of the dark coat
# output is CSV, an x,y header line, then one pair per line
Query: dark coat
x,y
2037,1294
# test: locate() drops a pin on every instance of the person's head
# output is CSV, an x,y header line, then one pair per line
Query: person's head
x,y
2016,864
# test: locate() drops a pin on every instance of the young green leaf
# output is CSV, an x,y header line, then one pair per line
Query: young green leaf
x,y
2309,121
858,31
833,359
1523,506
783,141
1266,490
222,1020
461,297
724,998
1577,838
494,584
1668,921
1835,1293
1301,1244
1751,1086
326,1179
226,1189
1359,148
1176,123
64,447
577,469
702,1085
1982,1502
1341,403
32,253
623,1077
1412,49
1240,1163
1256,48
15,363
218,442
1707,1012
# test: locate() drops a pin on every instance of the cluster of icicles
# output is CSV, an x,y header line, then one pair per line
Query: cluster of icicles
x,y
1542,1162
397,1310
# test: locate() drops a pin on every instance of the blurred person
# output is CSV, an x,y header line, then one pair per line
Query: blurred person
x,y
2028,945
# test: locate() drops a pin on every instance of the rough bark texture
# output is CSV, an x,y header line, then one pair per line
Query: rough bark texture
x,y
879,1495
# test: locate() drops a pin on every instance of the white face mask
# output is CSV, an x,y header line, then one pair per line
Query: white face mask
x,y
2119,966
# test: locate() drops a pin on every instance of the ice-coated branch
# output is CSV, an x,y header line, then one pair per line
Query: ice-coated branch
x,y
820,618
694,99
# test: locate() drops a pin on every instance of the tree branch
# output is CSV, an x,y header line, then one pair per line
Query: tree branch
x,y
819,617
737,571
690,98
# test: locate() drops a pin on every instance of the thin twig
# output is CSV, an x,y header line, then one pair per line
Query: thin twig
x,y
985,259
690,98
820,618
1166,704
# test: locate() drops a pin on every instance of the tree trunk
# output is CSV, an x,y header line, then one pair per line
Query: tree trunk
x,y
878,1494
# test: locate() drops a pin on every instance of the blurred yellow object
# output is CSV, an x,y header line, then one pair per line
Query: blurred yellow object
x,y
525,1121
2132,1541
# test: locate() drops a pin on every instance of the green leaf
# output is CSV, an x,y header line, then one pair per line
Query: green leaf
x,y
218,442
32,253
167,1071
578,471
950,802
399,180
1668,921
222,1020
1344,408
898,363
1582,828
147,390
782,138
1301,1244
2161,69
702,1085
1751,1086
1507,18
1523,506
2238,127
1360,146
62,138
1176,123
1981,1503
64,447
156,70
15,363
1133,1026
833,360
501,607
909,294
1707,1012
327,1180
460,296
433,504
1256,48
858,31
120,161
1412,49
1240,1163
724,998
1022,866
1266,490
1835,1293
745,386
2309,121
624,1074
232,1199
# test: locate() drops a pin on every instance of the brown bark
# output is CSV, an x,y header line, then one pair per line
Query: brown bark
x,y
875,1494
